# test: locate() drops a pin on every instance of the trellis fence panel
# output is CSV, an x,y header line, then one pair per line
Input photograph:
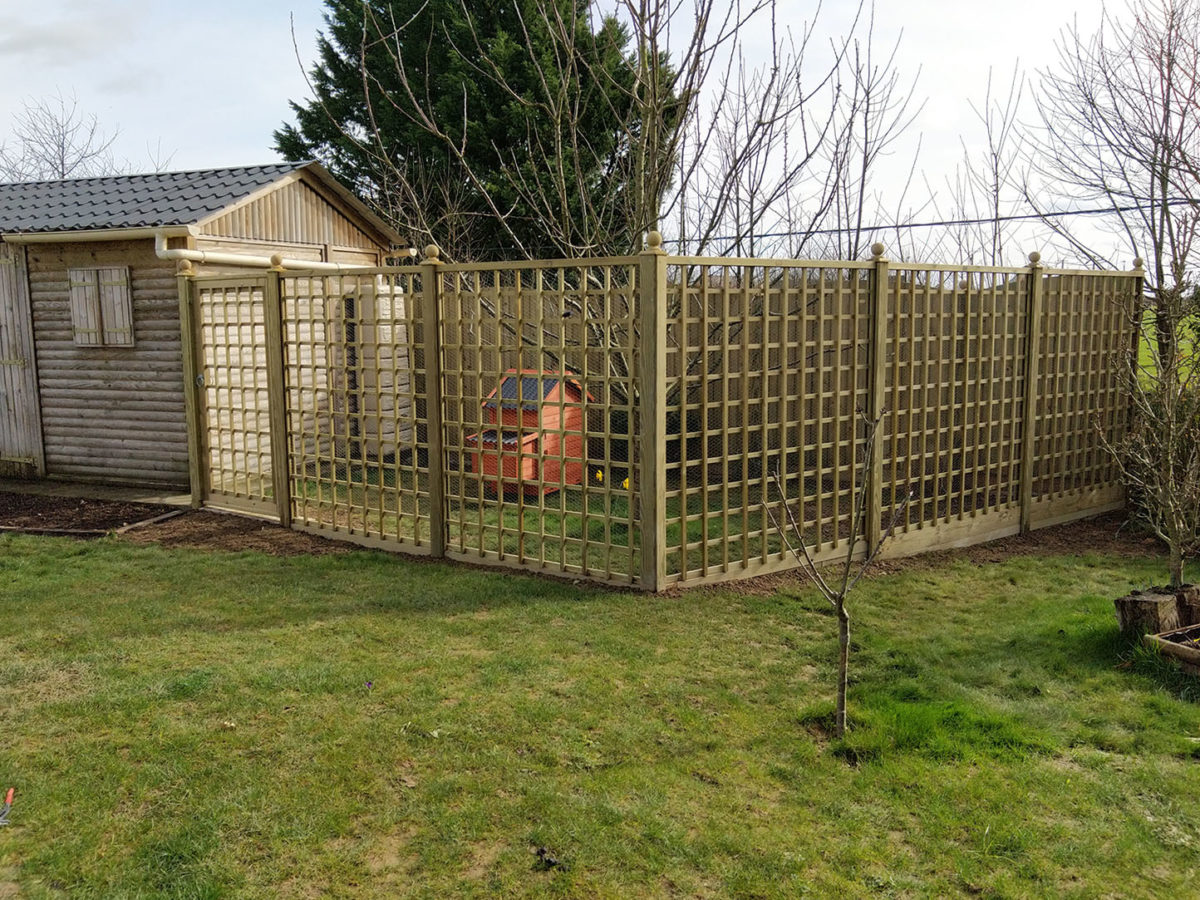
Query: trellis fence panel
x,y
232,396
647,420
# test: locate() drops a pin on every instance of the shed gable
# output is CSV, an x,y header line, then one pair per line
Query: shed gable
x,y
293,213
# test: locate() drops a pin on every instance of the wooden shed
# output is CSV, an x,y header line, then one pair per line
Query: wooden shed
x,y
91,377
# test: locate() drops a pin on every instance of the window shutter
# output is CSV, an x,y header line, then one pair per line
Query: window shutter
x,y
116,307
101,307
85,308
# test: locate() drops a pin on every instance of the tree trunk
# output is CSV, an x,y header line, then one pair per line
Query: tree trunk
x,y
843,665
1165,337
1176,566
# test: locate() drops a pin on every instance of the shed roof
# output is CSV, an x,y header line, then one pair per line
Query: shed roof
x,y
156,200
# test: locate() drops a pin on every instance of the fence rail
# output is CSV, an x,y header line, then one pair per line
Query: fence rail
x,y
635,420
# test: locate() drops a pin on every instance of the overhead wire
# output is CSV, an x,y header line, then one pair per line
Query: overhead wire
x,y
948,223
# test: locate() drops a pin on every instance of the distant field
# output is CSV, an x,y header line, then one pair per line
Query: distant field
x,y
1190,344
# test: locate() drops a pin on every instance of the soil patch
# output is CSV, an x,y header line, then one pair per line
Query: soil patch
x,y
1110,535
207,530
38,512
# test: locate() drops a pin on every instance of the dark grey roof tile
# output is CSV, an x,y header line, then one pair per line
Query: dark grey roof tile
x,y
130,201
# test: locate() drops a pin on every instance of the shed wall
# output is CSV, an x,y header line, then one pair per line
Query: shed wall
x,y
110,413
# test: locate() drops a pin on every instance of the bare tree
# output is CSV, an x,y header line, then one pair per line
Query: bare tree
x,y
877,111
984,189
587,197
52,138
664,171
749,164
1160,455
837,583
732,152
1120,127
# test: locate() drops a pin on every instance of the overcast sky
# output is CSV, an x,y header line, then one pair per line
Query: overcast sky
x,y
206,83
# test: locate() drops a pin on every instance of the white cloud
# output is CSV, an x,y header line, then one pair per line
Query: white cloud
x,y
64,35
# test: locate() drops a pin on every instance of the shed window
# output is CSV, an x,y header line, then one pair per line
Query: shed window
x,y
101,307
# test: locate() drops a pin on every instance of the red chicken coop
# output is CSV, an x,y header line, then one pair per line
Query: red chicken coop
x,y
536,439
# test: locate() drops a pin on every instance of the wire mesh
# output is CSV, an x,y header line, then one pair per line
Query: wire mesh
x,y
540,427
955,387
356,411
767,373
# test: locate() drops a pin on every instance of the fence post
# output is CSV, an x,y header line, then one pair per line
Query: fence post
x,y
281,482
191,384
877,385
1033,332
431,350
652,385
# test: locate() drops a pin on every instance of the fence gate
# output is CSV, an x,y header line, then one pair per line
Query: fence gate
x,y
233,405
20,424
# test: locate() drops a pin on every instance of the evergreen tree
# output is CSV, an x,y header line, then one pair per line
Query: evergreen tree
x,y
447,116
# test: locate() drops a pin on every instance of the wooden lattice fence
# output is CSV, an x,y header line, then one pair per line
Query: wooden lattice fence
x,y
629,420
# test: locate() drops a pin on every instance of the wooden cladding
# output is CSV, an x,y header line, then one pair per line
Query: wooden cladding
x,y
101,307
110,413
709,396
20,423
294,213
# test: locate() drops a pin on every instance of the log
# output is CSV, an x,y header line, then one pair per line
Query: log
x,y
1188,602
1147,612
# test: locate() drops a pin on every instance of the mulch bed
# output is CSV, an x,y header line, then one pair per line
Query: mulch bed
x,y
1110,534
41,513
201,530
206,530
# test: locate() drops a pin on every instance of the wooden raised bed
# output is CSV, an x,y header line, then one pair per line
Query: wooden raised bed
x,y
1182,644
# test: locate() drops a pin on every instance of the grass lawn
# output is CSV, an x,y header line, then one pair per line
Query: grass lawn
x,y
199,724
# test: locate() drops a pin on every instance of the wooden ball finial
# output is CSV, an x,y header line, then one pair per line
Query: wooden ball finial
x,y
432,252
1035,258
654,241
1139,263
877,249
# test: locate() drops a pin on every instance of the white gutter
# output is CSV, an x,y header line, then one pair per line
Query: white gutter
x,y
160,236
102,234
214,257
